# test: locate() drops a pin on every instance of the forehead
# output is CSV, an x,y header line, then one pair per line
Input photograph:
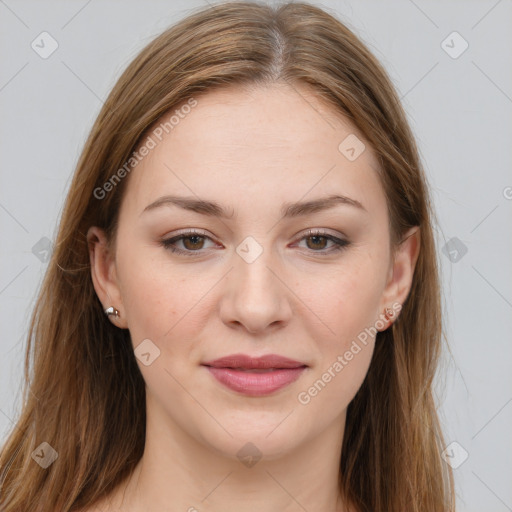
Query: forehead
x,y
244,145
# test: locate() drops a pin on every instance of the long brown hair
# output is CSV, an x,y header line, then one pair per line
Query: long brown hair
x,y
83,392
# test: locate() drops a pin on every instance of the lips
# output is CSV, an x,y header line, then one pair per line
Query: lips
x,y
245,362
255,376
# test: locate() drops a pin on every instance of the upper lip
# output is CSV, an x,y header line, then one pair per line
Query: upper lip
x,y
253,362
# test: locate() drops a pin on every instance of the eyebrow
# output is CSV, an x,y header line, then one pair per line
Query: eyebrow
x,y
289,210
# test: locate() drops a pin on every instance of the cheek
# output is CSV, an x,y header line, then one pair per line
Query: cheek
x,y
347,303
153,293
347,299
164,302
348,306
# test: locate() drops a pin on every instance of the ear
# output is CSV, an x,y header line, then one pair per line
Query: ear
x,y
103,273
401,272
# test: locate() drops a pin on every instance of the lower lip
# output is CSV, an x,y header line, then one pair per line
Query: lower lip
x,y
256,384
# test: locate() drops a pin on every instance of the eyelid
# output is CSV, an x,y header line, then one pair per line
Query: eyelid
x,y
322,231
189,231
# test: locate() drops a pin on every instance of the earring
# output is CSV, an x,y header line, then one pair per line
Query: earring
x,y
111,311
389,313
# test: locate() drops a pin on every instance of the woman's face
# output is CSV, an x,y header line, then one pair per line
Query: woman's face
x,y
254,281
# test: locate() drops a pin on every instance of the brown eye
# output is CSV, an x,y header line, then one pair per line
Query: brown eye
x,y
193,242
319,242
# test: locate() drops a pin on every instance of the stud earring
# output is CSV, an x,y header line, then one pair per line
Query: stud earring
x,y
111,311
389,313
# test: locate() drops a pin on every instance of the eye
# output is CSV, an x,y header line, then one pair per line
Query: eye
x,y
316,240
193,242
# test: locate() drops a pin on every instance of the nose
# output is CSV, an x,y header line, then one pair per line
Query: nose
x,y
256,296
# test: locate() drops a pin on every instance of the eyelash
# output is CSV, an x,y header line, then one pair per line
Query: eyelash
x,y
167,243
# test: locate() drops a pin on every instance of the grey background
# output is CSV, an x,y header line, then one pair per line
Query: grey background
x,y
460,110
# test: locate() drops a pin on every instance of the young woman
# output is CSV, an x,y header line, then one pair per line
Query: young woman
x,y
242,311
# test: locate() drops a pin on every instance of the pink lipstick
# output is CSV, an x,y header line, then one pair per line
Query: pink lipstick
x,y
255,376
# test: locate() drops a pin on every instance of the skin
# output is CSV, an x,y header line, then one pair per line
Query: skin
x,y
250,150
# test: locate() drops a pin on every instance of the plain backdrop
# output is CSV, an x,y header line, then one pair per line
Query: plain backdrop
x,y
450,61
